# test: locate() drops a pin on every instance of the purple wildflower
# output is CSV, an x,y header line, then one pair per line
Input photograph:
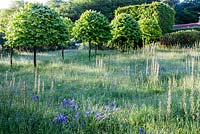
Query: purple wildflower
x,y
64,103
76,106
140,131
69,103
111,103
103,116
97,114
35,97
60,119
100,116
87,113
77,115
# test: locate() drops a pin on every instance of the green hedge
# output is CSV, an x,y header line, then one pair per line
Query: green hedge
x,y
160,12
184,38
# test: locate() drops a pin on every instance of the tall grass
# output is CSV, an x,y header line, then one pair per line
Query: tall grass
x,y
146,91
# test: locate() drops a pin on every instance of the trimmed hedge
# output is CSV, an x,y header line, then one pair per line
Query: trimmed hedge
x,y
184,38
151,30
157,11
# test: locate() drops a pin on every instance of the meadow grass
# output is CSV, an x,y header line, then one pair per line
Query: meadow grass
x,y
152,91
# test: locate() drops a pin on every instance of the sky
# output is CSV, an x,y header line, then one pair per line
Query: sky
x,y
6,3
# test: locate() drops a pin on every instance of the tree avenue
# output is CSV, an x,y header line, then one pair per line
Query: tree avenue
x,y
36,25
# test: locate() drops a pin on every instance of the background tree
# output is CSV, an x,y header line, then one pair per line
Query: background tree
x,y
74,8
92,27
171,3
36,25
2,38
150,29
187,12
68,30
125,31
5,16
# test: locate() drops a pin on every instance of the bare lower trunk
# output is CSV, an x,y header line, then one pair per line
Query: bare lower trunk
x,y
63,56
96,49
11,55
89,50
35,64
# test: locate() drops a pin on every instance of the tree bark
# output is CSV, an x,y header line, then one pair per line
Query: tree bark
x,y
89,50
63,56
35,64
11,55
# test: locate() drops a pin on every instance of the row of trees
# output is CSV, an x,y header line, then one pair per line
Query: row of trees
x,y
36,25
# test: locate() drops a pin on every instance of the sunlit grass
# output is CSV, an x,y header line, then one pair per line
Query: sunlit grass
x,y
136,82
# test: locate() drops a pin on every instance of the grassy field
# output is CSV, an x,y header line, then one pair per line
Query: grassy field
x,y
149,91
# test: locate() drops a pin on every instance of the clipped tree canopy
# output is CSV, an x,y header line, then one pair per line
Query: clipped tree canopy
x,y
36,25
92,26
125,31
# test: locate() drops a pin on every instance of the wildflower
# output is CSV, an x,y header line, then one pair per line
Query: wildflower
x,y
87,113
100,116
97,114
140,131
76,106
77,115
69,103
35,97
111,103
60,118
64,102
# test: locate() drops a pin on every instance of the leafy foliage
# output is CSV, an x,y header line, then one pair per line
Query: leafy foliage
x,y
69,25
187,12
171,3
150,30
92,27
74,8
6,14
159,12
36,25
126,32
184,38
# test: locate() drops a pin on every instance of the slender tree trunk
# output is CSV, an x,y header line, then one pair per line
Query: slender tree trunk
x,y
11,55
89,50
35,56
96,50
63,56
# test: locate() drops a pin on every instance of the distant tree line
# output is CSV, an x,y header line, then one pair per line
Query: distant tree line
x,y
186,11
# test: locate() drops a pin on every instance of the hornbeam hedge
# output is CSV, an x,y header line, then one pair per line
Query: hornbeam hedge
x,y
157,11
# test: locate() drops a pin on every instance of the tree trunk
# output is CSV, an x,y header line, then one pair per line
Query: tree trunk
x,y
35,56
63,56
96,50
89,50
11,55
